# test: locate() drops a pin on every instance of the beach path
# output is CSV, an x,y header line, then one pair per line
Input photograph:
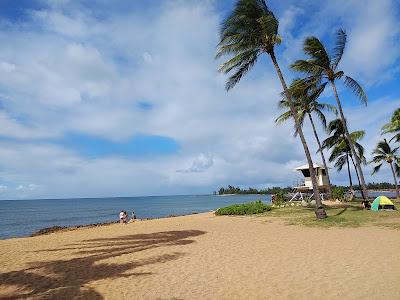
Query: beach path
x,y
204,257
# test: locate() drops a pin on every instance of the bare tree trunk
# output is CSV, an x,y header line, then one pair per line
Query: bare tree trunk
x,y
353,151
395,180
329,191
319,209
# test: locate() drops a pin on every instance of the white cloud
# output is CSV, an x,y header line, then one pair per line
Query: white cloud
x,y
373,34
200,164
86,75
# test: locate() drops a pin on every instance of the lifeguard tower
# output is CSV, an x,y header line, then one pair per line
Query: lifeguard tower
x,y
305,190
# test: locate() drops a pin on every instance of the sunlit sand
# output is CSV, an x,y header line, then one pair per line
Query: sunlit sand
x,y
204,257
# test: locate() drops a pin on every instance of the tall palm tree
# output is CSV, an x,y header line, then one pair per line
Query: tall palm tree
x,y
383,152
249,31
322,67
305,101
393,126
341,152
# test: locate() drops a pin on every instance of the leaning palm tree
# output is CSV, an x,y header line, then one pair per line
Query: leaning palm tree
x,y
393,126
383,152
249,31
322,67
306,104
341,152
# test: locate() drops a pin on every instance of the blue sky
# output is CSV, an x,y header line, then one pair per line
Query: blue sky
x,y
120,98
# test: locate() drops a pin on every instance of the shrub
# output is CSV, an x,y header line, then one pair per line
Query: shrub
x,y
338,193
250,208
280,196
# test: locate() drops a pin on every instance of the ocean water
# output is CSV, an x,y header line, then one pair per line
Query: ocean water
x,y
23,217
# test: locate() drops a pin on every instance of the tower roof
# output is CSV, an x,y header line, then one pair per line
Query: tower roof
x,y
305,167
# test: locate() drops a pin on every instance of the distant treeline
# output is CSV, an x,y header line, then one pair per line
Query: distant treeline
x,y
236,190
276,189
378,186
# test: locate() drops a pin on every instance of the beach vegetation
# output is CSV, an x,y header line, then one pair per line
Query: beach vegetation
x,y
250,208
338,193
280,197
385,153
322,68
249,31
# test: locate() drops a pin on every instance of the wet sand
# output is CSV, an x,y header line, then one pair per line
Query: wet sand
x,y
203,257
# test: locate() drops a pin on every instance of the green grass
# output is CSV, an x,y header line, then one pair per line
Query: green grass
x,y
350,216
251,208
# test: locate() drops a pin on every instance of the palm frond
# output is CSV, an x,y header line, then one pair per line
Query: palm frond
x,y
339,75
395,138
341,38
356,89
393,126
383,147
237,61
340,162
269,24
248,31
316,50
397,169
242,69
283,117
307,67
357,135
321,117
329,142
376,168
328,107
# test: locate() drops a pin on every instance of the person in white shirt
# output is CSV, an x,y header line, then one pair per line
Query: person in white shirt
x,y
121,217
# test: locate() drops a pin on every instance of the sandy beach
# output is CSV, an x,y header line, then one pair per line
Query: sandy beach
x,y
203,257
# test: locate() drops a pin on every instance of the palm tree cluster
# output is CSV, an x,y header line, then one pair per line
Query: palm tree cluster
x,y
340,149
385,152
250,31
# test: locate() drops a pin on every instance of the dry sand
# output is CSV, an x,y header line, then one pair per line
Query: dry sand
x,y
203,257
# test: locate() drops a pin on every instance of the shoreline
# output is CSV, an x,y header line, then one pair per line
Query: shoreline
x,y
56,229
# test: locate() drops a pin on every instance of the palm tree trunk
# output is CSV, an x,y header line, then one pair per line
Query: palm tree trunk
x,y
395,180
353,151
329,190
348,170
358,177
319,210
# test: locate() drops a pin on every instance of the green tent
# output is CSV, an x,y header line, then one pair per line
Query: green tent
x,y
382,202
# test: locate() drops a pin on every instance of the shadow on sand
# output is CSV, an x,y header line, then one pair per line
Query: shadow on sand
x,y
66,279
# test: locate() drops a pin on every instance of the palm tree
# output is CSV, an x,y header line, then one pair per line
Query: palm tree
x,y
322,67
305,101
341,151
393,126
383,152
249,31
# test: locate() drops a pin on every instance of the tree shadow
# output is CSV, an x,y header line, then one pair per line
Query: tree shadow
x,y
66,278
341,212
